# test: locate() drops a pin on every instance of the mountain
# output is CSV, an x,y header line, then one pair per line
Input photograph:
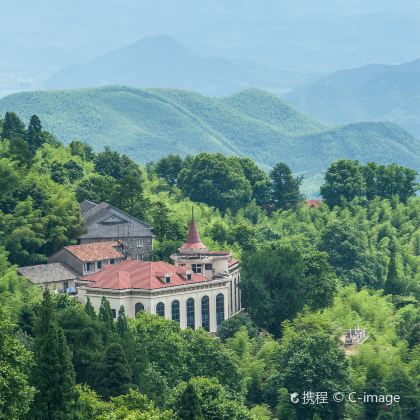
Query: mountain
x,y
151,62
280,43
371,93
150,123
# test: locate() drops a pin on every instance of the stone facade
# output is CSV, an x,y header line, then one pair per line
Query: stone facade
x,y
106,223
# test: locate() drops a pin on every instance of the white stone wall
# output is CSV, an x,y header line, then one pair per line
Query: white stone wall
x,y
180,294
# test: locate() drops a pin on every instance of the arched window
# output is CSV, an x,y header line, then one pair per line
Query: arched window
x,y
190,313
220,309
175,311
205,313
160,309
138,307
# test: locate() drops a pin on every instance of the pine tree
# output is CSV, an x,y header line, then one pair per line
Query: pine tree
x,y
53,375
122,325
114,373
190,408
89,309
106,316
14,131
34,134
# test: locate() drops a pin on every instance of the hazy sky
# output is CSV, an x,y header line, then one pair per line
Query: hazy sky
x,y
305,36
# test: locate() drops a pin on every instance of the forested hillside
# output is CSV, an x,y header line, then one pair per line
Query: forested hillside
x,y
307,275
376,92
147,124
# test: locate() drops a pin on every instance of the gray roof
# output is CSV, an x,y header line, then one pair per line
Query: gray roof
x,y
47,273
106,221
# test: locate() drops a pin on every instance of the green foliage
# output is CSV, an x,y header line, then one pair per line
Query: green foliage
x,y
114,376
311,360
231,326
344,181
211,397
53,375
217,181
150,123
285,192
16,394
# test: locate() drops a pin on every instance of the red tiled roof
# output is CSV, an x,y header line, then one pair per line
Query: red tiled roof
x,y
232,262
95,251
193,239
313,203
134,274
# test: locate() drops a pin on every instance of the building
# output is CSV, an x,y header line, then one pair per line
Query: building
x,y
214,265
107,223
90,257
56,276
67,266
200,290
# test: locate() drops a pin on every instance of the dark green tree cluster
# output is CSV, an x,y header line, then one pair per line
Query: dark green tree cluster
x,y
346,180
230,182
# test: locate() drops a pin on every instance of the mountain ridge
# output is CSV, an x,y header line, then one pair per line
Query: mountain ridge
x,y
150,123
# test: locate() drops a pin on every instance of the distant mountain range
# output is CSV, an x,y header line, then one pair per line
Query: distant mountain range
x,y
148,124
158,61
370,93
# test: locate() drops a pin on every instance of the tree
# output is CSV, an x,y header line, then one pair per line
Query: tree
x,y
320,279
114,372
53,375
96,188
169,168
217,181
213,400
189,405
258,179
13,127
34,134
311,360
81,149
348,253
284,408
106,316
272,285
122,325
14,131
16,394
231,326
90,310
285,193
344,181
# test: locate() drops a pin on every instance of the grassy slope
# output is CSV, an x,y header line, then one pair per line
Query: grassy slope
x,y
151,123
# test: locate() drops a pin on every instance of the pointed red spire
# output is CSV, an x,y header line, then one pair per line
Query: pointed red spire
x,y
193,239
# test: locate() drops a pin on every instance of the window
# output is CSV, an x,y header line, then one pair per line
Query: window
x,y
208,267
88,266
138,256
98,265
189,275
190,313
140,242
160,309
112,261
138,307
66,285
220,309
167,277
175,311
114,313
205,313
196,268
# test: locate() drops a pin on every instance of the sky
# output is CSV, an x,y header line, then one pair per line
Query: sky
x,y
302,36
